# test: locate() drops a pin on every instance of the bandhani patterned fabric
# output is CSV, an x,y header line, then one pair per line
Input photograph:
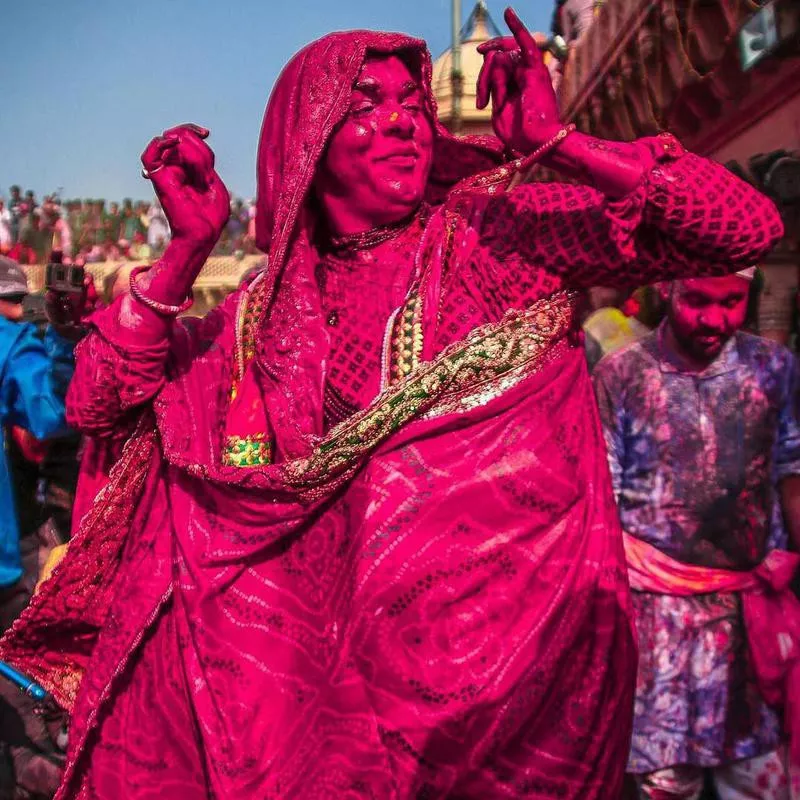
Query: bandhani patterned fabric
x,y
771,616
425,599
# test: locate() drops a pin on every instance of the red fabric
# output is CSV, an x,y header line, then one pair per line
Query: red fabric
x,y
33,450
97,458
771,616
446,614
23,254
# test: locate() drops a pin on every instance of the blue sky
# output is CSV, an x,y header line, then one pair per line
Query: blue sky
x,y
85,84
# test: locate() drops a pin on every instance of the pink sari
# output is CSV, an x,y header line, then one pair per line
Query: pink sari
x,y
429,600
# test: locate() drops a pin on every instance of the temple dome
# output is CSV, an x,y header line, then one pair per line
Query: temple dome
x,y
478,29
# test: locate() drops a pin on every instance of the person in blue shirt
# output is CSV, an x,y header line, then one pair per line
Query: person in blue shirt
x,y
34,375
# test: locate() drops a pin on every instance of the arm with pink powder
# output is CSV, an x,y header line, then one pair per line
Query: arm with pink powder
x,y
682,216
121,365
641,211
118,368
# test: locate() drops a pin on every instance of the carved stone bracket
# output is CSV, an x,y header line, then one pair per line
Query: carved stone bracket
x,y
666,61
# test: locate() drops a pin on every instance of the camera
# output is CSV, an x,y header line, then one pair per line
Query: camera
x,y
64,277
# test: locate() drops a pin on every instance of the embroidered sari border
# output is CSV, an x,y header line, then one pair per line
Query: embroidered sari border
x,y
522,339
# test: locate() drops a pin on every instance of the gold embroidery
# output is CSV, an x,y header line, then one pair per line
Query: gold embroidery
x,y
406,346
64,681
522,340
249,313
477,396
247,451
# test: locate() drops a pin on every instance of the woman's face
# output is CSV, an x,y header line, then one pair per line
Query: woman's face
x,y
378,159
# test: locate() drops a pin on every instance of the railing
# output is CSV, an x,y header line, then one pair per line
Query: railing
x,y
220,273
617,23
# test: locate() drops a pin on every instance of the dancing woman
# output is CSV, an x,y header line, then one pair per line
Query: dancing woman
x,y
361,540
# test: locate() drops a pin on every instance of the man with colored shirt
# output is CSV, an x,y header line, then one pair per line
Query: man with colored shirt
x,y
701,424
130,224
112,223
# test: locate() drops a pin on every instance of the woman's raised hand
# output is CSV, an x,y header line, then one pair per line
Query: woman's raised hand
x,y
524,106
180,166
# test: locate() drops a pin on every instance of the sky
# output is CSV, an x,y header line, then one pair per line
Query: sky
x,y
85,84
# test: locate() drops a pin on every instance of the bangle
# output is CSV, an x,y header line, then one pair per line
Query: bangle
x,y
552,142
159,308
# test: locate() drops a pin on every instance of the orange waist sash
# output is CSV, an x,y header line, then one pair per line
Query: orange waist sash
x,y
771,617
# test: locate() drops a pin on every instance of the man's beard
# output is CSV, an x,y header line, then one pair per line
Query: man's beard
x,y
701,345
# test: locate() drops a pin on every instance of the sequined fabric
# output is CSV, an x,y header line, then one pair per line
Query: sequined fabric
x,y
431,608
359,292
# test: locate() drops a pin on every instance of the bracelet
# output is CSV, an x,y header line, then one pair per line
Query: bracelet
x,y
159,308
552,142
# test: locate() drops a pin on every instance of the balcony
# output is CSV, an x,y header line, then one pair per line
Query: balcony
x,y
648,65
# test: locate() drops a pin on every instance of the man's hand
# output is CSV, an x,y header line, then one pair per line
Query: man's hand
x,y
67,311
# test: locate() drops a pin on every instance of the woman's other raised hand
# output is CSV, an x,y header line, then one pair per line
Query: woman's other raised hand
x,y
524,107
180,166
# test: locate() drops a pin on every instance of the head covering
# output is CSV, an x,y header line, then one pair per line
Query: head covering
x,y
12,279
309,99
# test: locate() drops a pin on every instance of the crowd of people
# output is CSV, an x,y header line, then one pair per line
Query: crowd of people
x,y
436,505
93,231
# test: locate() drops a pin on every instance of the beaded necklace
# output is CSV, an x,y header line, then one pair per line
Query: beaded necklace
x,y
365,240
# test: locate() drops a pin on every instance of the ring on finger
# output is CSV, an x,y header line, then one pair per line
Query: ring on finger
x,y
148,173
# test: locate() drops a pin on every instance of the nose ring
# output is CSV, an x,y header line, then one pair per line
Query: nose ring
x,y
393,116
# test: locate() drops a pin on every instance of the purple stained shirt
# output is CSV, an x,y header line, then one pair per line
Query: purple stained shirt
x,y
694,460
695,457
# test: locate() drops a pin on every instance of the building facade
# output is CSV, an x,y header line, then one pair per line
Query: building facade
x,y
724,76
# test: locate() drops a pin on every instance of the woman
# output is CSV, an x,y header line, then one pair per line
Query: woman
x,y
361,541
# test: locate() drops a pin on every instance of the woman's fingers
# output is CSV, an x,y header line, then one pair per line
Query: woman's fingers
x,y
525,42
193,155
498,43
483,89
501,80
154,153
178,158
510,45
188,126
198,156
496,79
